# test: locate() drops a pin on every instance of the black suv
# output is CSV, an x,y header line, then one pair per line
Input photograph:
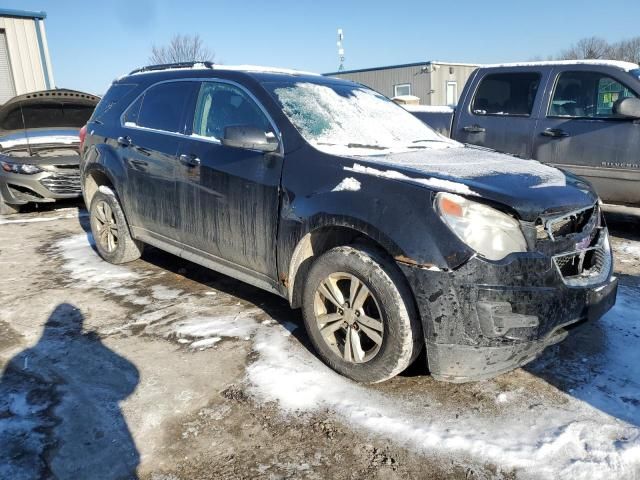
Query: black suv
x,y
389,236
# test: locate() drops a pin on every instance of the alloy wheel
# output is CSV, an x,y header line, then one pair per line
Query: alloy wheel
x,y
106,226
348,317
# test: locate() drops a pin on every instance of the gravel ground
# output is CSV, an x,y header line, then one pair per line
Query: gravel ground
x,y
163,370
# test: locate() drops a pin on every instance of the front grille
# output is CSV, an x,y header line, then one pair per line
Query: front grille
x,y
63,183
569,224
589,266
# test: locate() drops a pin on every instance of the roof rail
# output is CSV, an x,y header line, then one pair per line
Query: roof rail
x,y
167,66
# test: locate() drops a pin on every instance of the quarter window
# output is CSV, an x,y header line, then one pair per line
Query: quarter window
x,y
162,107
507,94
402,89
222,105
586,95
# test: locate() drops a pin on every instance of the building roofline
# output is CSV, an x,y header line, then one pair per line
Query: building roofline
x,y
403,65
9,12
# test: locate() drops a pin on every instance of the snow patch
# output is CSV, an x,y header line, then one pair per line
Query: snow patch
x,y
160,292
349,184
85,266
429,108
38,140
626,66
106,190
435,183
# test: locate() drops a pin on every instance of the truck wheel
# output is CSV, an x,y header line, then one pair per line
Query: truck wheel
x,y
8,209
360,315
110,230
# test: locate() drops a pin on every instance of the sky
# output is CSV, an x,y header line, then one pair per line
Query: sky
x,y
91,43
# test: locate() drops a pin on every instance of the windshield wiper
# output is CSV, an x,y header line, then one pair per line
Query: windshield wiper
x,y
426,140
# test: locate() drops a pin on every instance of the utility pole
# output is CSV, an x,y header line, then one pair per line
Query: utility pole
x,y
340,49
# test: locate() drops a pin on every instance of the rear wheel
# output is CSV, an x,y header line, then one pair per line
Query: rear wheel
x,y
360,314
8,209
110,230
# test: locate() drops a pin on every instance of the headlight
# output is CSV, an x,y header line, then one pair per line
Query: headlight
x,y
24,168
491,233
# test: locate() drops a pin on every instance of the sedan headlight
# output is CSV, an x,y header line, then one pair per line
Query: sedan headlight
x,y
24,168
490,232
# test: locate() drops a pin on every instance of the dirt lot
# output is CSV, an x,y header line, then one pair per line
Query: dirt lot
x,y
166,369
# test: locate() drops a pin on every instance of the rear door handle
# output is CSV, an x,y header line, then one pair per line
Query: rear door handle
x,y
554,133
124,141
190,160
474,129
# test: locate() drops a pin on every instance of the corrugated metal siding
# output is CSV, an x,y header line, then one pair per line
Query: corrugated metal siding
x,y
7,88
24,53
383,81
430,87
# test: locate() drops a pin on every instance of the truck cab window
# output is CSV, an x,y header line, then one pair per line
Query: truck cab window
x,y
586,95
222,105
506,94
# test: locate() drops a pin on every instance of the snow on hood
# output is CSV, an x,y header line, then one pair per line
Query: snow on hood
x,y
473,163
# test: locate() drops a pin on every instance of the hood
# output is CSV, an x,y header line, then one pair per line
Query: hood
x,y
528,187
39,120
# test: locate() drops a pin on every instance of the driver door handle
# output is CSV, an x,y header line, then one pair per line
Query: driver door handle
x,y
554,133
189,160
124,141
474,129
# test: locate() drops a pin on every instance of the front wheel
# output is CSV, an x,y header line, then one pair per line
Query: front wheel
x,y
360,314
110,230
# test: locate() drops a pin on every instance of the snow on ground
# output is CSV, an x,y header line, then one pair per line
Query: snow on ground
x,y
628,249
9,220
591,432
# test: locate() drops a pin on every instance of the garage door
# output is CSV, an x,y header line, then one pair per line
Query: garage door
x,y
7,89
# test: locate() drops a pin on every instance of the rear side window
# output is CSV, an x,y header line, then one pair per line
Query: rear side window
x,y
113,96
162,107
506,94
222,105
586,95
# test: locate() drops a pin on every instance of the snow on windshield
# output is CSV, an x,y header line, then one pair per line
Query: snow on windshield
x,y
352,120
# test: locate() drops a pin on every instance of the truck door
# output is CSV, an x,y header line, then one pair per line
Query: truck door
x,y
578,131
500,112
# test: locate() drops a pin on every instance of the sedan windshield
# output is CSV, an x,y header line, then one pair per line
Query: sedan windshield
x,y
350,119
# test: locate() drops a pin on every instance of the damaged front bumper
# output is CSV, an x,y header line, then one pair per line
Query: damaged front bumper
x,y
486,318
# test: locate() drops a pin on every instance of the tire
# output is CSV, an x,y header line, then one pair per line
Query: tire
x,y
8,209
387,345
110,229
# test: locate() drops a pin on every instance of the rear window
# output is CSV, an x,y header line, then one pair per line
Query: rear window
x,y
507,94
48,115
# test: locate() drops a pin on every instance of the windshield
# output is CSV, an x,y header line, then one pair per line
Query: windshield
x,y
352,119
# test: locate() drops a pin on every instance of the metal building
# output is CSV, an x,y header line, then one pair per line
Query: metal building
x,y
25,65
434,83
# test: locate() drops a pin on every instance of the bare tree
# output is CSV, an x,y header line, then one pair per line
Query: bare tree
x,y
627,50
181,48
587,48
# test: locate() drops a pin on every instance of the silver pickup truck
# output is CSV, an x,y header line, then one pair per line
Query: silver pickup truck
x,y
582,116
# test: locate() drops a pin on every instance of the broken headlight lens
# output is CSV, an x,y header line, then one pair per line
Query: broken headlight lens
x,y
490,232
24,168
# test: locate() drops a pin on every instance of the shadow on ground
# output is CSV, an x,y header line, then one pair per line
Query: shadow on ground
x,y
59,407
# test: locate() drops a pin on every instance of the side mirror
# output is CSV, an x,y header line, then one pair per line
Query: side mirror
x,y
249,137
627,107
